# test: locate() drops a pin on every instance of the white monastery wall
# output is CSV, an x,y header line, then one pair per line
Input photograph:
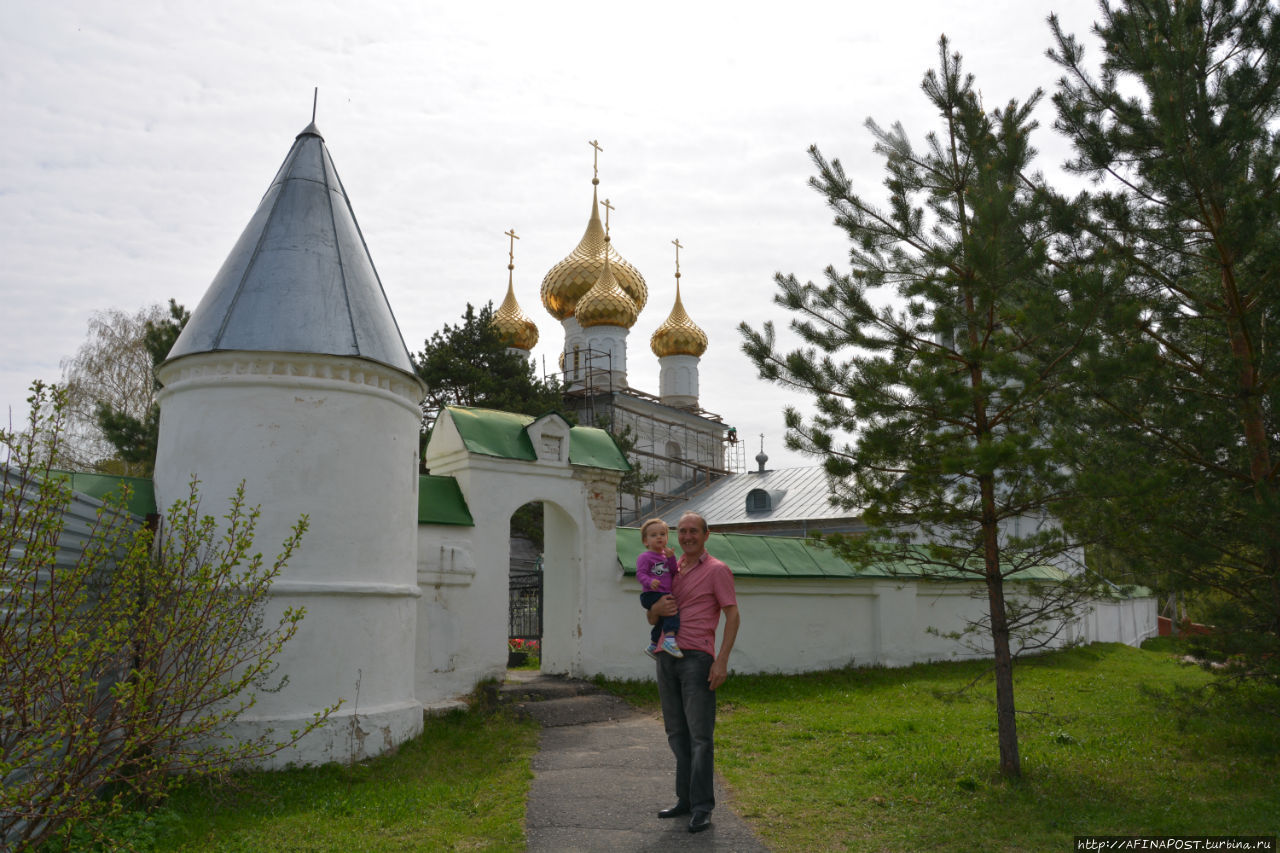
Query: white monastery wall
x,y
801,625
788,625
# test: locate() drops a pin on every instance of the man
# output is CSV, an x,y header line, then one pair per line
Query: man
x,y
701,591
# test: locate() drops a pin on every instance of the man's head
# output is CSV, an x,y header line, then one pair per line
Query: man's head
x,y
691,532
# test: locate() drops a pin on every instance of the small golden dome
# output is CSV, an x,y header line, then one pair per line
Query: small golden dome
x,y
512,324
606,303
678,335
568,281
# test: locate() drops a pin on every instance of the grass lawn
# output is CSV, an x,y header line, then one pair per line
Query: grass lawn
x,y
1113,740
460,786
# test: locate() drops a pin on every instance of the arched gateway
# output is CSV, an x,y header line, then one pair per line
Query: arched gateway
x,y
499,462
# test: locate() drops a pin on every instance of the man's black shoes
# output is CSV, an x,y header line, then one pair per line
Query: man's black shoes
x,y
700,821
676,811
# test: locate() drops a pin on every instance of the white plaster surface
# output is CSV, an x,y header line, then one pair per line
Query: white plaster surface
x,y
678,380
336,439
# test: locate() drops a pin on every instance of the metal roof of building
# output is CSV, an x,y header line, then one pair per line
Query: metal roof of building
x,y
794,494
440,501
491,432
140,491
757,556
300,278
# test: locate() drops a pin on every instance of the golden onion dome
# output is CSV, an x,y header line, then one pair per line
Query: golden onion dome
x,y
515,328
678,335
512,325
569,281
606,303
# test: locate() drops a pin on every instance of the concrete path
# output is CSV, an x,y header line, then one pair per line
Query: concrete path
x,y
602,773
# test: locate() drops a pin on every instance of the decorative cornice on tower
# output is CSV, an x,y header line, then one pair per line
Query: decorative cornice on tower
x,y
569,280
516,329
678,334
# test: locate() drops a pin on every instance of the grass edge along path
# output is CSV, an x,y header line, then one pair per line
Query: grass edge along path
x,y
1115,740
461,785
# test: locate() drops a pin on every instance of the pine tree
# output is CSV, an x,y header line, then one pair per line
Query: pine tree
x,y
469,365
1179,128
948,392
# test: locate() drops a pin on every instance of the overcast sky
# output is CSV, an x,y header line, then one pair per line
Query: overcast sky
x,y
140,136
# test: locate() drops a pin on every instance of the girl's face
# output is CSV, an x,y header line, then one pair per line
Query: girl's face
x,y
655,537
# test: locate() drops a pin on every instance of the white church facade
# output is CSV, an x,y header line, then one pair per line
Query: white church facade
x,y
293,377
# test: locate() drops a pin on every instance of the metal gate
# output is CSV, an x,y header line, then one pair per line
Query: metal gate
x,y
524,616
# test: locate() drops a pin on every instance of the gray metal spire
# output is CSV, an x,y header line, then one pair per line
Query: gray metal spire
x,y
300,278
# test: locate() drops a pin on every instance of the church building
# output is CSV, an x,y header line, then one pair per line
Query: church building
x,y
597,297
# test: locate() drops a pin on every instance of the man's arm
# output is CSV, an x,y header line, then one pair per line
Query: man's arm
x,y
720,666
663,607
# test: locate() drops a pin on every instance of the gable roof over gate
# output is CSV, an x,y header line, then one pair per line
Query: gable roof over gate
x,y
505,435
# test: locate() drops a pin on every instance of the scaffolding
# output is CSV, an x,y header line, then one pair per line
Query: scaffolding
x,y
686,456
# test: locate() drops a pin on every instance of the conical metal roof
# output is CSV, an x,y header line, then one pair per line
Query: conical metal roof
x,y
300,278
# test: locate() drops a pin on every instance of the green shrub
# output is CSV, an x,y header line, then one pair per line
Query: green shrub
x,y
123,661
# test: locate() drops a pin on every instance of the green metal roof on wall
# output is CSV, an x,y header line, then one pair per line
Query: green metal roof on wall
x,y
756,556
595,448
142,492
440,501
495,433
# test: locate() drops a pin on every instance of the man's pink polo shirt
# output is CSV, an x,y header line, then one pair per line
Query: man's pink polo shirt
x,y
702,589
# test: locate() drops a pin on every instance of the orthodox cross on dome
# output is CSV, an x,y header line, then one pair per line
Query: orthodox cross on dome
x,y
595,160
608,208
511,252
676,243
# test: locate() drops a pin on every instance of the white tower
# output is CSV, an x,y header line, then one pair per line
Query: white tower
x,y
292,376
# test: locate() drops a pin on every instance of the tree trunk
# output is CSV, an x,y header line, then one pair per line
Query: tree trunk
x,y
1006,722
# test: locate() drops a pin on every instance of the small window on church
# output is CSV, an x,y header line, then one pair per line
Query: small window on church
x,y
674,456
758,500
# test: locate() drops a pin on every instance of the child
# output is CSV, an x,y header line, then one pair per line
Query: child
x,y
655,569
